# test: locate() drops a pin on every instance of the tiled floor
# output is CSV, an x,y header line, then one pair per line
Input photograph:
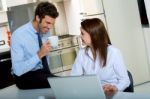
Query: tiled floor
x,y
144,88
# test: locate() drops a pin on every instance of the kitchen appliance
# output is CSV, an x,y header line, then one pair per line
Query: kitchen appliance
x,y
62,58
19,15
2,42
6,79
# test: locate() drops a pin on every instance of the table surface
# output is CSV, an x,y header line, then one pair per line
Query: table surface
x,y
12,92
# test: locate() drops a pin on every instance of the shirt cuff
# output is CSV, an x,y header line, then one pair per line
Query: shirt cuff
x,y
37,58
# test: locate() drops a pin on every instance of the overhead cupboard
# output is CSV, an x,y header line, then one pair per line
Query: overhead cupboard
x,y
3,6
91,7
3,9
77,10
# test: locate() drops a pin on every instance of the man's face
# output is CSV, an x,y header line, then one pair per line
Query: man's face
x,y
46,24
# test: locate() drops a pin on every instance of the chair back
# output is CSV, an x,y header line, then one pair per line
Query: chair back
x,y
131,86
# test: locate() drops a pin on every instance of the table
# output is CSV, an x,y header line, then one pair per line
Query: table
x,y
12,92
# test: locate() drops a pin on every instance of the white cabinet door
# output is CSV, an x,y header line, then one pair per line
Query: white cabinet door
x,y
3,9
90,7
3,17
61,27
72,10
100,16
3,6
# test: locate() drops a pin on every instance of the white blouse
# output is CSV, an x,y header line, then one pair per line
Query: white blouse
x,y
114,72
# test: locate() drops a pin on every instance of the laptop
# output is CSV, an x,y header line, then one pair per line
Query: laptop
x,y
77,87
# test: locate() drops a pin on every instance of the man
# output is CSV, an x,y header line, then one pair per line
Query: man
x,y
29,63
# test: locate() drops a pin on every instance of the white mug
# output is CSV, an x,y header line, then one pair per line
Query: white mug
x,y
53,40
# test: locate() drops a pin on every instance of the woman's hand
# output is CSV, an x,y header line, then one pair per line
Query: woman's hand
x,y
109,89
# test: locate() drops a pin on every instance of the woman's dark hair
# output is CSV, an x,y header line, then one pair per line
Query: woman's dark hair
x,y
99,37
46,8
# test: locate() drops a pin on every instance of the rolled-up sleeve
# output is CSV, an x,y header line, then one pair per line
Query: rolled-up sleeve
x,y
121,71
77,66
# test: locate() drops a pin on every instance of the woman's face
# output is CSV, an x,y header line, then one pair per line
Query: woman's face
x,y
85,36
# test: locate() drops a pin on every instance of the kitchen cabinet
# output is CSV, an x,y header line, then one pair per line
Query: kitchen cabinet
x,y
3,9
55,62
54,1
73,11
3,17
62,58
76,10
68,21
3,6
3,38
91,7
61,27
100,16
6,78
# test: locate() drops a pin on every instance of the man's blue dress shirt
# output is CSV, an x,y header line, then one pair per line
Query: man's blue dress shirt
x,y
24,48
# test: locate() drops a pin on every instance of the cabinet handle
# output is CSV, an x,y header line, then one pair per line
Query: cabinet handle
x,y
4,60
83,13
2,42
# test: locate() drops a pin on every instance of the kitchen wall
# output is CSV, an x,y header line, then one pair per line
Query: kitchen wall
x,y
146,33
146,30
126,33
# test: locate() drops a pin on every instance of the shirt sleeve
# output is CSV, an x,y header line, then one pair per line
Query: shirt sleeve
x,y
77,66
121,71
20,65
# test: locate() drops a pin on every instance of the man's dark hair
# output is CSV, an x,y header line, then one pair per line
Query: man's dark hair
x,y
46,8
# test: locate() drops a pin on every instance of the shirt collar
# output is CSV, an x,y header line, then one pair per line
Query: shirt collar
x,y
32,28
90,54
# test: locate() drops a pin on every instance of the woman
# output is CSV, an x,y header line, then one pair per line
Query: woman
x,y
100,57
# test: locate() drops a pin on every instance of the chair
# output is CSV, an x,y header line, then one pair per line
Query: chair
x,y
131,86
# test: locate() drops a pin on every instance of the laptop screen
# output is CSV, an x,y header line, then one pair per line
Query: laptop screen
x,y
77,87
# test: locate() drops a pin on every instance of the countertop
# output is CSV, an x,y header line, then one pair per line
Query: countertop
x,y
4,48
4,53
13,92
